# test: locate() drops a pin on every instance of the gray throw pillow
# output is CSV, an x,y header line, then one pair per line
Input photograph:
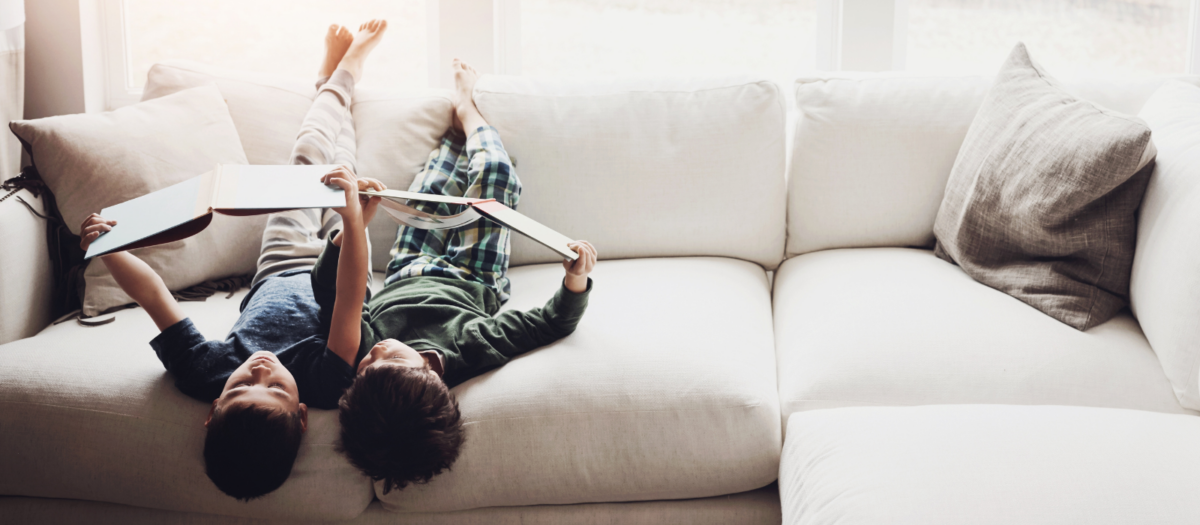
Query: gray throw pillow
x,y
1041,203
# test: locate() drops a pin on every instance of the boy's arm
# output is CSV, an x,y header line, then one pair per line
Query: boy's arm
x,y
512,333
134,276
491,342
345,326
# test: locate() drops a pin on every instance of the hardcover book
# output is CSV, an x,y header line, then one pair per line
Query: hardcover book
x,y
180,211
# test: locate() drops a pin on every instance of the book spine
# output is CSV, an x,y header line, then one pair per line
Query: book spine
x,y
225,191
204,198
218,178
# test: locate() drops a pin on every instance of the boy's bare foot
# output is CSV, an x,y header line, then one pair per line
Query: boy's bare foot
x,y
337,41
369,35
465,111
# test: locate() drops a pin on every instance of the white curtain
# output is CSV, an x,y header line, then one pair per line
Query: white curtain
x,y
12,82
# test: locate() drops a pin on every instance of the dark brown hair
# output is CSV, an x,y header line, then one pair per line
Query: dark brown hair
x,y
249,450
400,425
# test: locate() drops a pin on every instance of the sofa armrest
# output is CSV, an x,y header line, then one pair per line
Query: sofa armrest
x,y
26,275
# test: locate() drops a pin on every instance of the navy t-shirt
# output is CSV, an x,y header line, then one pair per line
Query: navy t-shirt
x,y
280,315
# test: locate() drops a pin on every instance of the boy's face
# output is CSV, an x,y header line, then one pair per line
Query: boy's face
x,y
262,380
390,352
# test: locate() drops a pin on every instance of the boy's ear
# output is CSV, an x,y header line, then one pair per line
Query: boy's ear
x,y
303,417
211,410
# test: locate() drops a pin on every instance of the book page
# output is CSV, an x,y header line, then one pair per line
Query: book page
x,y
151,214
275,187
398,196
425,221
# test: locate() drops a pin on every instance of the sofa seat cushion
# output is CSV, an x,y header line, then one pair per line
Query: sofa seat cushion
x,y
990,464
665,391
90,414
896,326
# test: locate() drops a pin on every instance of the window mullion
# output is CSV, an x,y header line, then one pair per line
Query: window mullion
x,y
1193,54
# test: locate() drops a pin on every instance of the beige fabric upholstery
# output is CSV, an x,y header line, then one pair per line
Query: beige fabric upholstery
x,y
91,161
990,465
1165,287
870,158
26,281
758,507
666,390
894,326
646,168
266,110
89,413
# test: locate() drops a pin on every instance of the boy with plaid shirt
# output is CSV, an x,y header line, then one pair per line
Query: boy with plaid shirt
x,y
434,325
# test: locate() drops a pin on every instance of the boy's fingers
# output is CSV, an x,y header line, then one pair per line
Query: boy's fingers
x,y
100,227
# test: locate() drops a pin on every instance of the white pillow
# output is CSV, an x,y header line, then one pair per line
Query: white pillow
x,y
658,167
1165,285
871,157
91,161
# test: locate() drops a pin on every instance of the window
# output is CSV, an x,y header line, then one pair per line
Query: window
x,y
1068,37
284,37
777,39
672,37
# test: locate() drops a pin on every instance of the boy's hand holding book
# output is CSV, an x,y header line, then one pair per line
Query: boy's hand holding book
x,y
91,229
133,275
348,182
358,207
578,270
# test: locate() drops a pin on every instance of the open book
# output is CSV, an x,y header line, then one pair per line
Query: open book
x,y
180,211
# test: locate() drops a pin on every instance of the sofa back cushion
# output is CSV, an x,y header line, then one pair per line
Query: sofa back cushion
x,y
872,152
1165,285
646,167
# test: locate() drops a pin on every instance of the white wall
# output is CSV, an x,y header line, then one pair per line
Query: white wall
x,y
60,78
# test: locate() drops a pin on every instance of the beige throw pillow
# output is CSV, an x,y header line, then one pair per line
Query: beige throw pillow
x,y
1041,203
95,160
266,110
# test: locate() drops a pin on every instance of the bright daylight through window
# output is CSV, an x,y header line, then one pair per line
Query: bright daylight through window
x,y
273,36
1068,37
776,39
673,37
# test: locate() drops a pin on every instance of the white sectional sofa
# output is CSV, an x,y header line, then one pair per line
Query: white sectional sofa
x,y
737,297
